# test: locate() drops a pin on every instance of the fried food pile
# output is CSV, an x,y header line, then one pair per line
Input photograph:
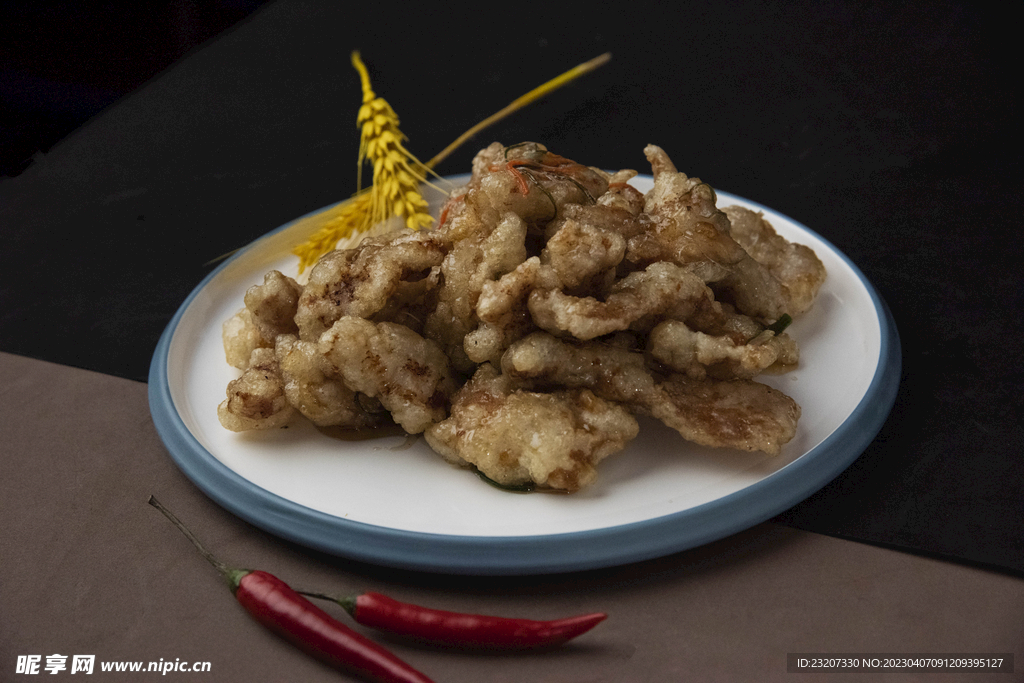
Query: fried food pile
x,y
552,305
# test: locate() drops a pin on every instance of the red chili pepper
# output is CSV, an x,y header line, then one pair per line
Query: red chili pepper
x,y
308,627
297,620
462,630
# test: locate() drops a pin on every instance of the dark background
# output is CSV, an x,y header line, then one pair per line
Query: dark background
x,y
140,144
63,62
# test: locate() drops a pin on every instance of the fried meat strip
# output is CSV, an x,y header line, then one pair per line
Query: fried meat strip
x,y
739,413
325,401
360,281
797,268
256,400
408,374
623,199
503,312
241,337
273,305
596,301
583,255
612,372
688,228
663,288
516,437
537,185
753,290
412,302
469,266
513,191
697,354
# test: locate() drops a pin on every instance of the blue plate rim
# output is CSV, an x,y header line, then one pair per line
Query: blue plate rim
x,y
526,555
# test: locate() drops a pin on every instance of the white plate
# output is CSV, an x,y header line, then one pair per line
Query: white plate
x,y
380,502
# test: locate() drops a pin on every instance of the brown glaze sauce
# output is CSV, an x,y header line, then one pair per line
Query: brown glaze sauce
x,y
385,430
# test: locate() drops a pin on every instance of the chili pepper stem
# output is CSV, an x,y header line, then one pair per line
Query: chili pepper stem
x,y
233,576
348,602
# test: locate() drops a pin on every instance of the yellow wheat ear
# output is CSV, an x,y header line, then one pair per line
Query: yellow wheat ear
x,y
397,173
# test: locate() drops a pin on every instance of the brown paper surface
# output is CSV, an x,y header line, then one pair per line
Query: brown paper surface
x,y
88,568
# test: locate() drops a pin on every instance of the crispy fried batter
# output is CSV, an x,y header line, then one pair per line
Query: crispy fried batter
x,y
515,437
622,199
663,288
796,267
698,354
584,256
686,226
256,400
736,414
408,374
360,281
612,372
551,304
537,185
739,413
273,305
503,312
241,337
473,262
325,401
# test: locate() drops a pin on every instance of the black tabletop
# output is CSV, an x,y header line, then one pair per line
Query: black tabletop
x,y
892,132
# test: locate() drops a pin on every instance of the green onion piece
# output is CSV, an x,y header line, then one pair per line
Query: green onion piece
x,y
512,488
510,147
782,323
